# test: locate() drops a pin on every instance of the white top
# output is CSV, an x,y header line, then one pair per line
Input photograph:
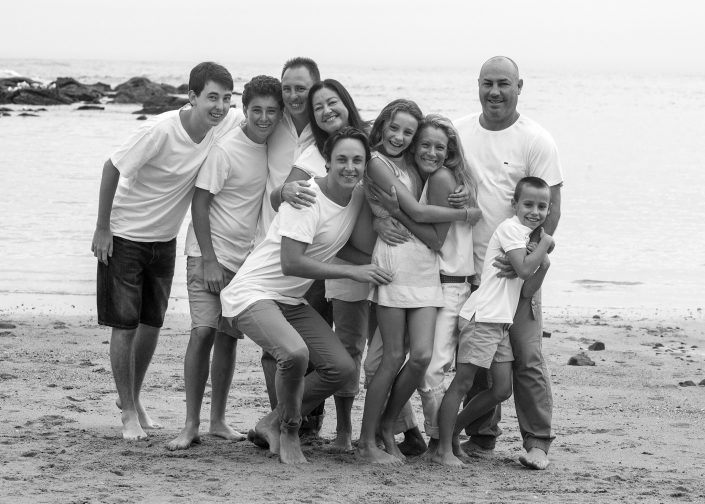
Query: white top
x,y
284,146
235,172
158,167
496,299
455,256
499,160
312,162
325,226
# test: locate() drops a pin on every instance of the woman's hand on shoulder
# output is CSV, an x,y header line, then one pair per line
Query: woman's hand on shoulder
x,y
298,194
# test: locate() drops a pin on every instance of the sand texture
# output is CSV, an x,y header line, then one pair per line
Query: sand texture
x,y
625,429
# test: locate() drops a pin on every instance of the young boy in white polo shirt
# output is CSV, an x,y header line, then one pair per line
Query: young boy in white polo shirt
x,y
226,208
145,191
487,314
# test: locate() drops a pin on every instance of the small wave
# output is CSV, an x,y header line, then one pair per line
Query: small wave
x,y
6,72
596,283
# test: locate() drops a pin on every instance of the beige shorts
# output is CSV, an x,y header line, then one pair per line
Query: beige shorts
x,y
481,343
205,307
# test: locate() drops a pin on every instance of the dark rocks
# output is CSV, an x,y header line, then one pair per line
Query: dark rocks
x,y
91,107
160,104
168,88
71,88
598,345
38,96
546,334
702,383
142,118
581,359
138,90
182,89
27,114
7,325
687,383
100,86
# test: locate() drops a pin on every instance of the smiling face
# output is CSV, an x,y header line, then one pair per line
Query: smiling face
x,y
398,133
262,115
431,150
296,82
212,104
500,87
532,207
346,165
329,111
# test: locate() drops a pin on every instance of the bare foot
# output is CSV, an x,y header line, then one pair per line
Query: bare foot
x,y
145,420
342,442
266,432
390,444
373,455
223,430
536,458
430,451
187,437
447,459
131,428
290,447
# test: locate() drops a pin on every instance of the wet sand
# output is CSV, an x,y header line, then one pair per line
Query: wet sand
x,y
625,429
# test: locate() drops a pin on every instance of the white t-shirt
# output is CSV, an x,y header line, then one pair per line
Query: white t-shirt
x,y
496,299
235,172
499,160
325,226
158,167
455,256
284,146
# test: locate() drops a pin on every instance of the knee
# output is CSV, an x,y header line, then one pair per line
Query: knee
x,y
421,360
295,361
502,392
393,359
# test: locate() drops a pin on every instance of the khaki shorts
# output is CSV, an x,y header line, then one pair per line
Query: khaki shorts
x,y
205,307
481,343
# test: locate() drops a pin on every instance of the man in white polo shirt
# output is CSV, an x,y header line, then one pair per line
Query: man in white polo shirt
x,y
503,146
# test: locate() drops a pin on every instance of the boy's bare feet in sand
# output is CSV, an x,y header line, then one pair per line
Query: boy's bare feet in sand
x,y
471,448
131,428
536,458
290,447
187,437
374,455
431,450
342,442
266,432
222,430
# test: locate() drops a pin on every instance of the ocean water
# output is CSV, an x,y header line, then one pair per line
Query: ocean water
x,y
631,233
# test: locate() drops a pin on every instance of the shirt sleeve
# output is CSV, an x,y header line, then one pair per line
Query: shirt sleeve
x,y
214,171
511,235
544,161
311,162
300,225
138,150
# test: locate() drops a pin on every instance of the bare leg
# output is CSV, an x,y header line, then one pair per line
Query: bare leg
x,y
290,392
195,377
343,428
465,373
392,324
487,400
222,370
122,364
421,323
145,343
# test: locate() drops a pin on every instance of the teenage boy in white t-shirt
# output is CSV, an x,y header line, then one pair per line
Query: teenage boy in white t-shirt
x,y
486,316
145,191
225,209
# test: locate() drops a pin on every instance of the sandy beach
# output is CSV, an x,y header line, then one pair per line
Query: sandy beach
x,y
626,430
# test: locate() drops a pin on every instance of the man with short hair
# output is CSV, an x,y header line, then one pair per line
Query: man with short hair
x,y
503,146
145,191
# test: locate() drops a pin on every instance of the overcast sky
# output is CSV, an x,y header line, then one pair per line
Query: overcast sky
x,y
593,35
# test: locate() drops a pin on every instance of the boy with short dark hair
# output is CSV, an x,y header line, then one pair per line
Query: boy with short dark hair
x,y
145,191
225,210
487,314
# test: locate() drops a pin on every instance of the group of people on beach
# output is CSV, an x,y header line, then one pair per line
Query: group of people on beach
x,y
316,236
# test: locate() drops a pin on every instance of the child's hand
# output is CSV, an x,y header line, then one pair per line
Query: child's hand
x,y
506,270
530,247
389,231
548,239
474,215
459,197
102,245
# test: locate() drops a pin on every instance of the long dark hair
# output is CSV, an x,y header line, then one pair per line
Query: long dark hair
x,y
354,119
